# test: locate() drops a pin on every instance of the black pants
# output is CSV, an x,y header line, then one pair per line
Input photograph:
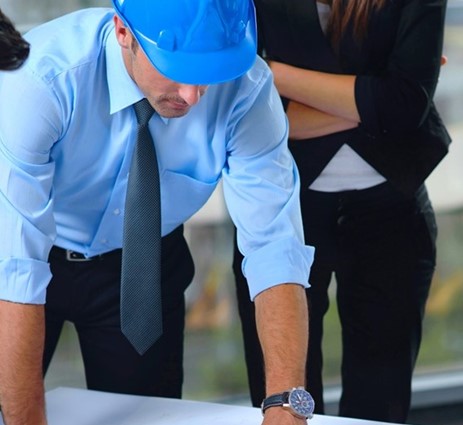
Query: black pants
x,y
88,295
381,247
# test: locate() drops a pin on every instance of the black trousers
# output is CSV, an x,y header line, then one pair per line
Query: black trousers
x,y
88,295
381,247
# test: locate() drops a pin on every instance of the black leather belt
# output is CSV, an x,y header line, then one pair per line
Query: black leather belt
x,y
77,257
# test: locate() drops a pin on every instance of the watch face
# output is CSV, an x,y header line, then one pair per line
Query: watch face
x,y
301,402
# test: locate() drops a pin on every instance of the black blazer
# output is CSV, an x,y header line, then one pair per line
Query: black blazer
x,y
397,67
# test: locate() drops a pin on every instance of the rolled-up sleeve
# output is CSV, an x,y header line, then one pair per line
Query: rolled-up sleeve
x,y
26,177
261,187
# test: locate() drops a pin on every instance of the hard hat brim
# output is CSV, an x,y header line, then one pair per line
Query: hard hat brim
x,y
202,68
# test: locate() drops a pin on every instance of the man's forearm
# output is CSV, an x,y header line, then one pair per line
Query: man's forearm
x,y
282,323
21,356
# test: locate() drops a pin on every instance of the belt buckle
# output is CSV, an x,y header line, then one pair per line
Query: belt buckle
x,y
71,256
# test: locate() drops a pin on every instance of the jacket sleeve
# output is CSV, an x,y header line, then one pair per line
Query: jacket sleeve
x,y
263,54
398,100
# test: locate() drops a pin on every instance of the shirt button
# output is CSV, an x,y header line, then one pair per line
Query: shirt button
x,y
104,241
117,211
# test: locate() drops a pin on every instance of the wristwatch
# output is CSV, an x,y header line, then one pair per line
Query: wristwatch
x,y
297,401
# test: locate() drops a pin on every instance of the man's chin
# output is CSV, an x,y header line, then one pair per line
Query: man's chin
x,y
175,114
166,111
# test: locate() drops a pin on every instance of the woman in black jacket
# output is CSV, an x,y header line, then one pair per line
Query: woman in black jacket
x,y
357,79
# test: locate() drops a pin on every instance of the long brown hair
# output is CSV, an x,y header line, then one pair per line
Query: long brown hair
x,y
351,12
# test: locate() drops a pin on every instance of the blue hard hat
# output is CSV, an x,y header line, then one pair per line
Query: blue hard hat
x,y
194,41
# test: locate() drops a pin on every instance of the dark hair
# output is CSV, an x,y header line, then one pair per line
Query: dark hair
x,y
14,50
351,12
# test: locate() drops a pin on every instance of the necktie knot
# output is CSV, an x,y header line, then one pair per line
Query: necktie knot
x,y
144,111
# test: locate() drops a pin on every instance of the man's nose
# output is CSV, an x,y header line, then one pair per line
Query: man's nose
x,y
190,94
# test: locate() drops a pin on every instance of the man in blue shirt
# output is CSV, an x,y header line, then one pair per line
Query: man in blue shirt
x,y
67,131
13,48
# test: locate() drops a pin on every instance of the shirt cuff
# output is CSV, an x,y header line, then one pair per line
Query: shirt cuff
x,y
24,281
286,261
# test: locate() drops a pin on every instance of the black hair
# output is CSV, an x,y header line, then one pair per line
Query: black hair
x,y
14,50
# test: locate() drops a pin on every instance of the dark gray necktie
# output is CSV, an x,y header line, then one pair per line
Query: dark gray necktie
x,y
141,313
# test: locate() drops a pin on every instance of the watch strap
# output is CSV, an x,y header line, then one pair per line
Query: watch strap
x,y
274,400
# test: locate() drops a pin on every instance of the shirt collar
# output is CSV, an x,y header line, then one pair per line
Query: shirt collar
x,y
123,92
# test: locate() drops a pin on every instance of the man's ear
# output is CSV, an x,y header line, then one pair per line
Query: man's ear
x,y
123,34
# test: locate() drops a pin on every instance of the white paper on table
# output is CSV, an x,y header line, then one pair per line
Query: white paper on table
x,y
72,406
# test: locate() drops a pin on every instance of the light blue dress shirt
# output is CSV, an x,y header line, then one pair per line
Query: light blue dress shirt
x,y
67,130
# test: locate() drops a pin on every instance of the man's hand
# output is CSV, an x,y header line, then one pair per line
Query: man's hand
x,y
22,333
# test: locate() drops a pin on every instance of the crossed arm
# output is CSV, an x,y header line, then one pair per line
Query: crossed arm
x,y
320,103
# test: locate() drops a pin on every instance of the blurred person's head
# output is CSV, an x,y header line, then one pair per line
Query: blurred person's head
x,y
14,50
